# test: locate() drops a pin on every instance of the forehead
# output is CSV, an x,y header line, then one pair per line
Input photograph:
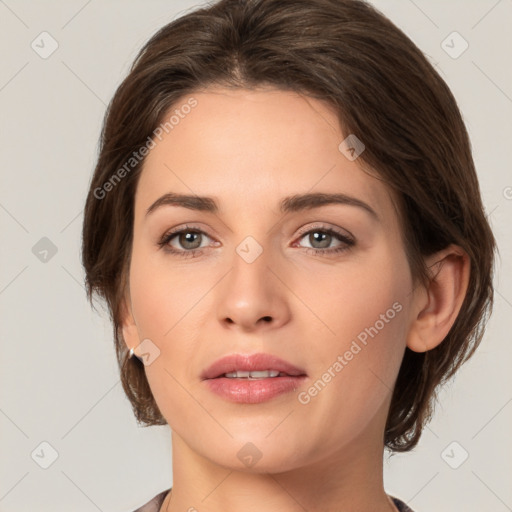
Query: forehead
x,y
252,147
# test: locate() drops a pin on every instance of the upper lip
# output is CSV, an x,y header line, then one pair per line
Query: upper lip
x,y
249,362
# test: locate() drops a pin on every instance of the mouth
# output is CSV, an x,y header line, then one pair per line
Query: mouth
x,y
261,374
251,366
253,378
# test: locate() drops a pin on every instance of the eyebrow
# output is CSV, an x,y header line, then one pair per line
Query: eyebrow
x,y
295,203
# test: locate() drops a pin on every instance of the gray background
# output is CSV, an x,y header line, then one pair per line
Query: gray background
x,y
59,381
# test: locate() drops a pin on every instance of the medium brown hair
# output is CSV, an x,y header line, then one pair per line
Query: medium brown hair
x,y
383,90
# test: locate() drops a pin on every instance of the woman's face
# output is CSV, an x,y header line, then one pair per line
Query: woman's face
x,y
325,287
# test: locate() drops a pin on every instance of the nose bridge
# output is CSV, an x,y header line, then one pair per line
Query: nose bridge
x,y
250,275
251,292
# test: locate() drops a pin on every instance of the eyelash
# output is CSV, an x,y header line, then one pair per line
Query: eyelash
x,y
167,237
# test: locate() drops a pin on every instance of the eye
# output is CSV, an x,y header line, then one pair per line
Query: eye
x,y
322,237
189,241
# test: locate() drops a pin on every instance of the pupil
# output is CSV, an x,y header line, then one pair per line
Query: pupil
x,y
187,239
325,241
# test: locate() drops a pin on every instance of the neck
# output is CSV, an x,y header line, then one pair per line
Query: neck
x,y
350,479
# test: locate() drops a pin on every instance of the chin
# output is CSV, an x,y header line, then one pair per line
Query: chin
x,y
258,453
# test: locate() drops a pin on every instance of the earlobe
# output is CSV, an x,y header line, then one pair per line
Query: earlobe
x,y
438,304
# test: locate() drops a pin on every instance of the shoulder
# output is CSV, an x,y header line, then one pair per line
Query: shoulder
x,y
400,505
154,504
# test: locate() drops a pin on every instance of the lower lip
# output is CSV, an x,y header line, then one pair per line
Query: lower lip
x,y
247,391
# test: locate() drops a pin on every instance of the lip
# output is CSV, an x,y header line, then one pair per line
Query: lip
x,y
251,363
249,391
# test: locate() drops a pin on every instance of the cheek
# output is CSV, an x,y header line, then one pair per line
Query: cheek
x,y
161,317
357,358
355,298
161,296
166,304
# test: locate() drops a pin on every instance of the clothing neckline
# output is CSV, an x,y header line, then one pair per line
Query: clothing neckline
x,y
156,502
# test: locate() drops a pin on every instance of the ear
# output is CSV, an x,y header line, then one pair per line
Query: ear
x,y
436,306
128,325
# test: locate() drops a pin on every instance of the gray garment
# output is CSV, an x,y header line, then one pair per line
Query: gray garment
x,y
155,504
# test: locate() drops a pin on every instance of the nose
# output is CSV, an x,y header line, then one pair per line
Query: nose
x,y
253,296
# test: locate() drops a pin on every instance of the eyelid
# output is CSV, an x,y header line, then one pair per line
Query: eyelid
x,y
184,227
326,227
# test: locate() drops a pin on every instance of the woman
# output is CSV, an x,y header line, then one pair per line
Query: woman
x,y
286,224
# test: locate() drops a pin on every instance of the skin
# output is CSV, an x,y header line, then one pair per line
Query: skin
x,y
248,149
